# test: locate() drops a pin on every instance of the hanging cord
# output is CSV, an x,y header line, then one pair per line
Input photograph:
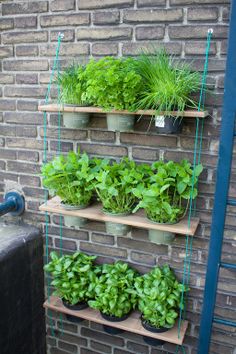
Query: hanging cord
x,y
196,160
55,65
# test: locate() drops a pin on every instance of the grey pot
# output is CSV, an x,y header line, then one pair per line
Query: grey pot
x,y
75,120
161,237
117,229
120,122
74,221
114,228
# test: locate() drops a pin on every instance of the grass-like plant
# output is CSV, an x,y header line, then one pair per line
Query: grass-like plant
x,y
167,85
72,85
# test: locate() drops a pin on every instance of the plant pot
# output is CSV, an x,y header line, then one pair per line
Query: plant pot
x,y
77,307
75,120
168,125
153,342
151,328
114,228
120,122
161,237
74,221
112,318
112,330
74,319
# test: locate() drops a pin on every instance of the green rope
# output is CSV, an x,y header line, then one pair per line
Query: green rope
x,y
196,160
55,65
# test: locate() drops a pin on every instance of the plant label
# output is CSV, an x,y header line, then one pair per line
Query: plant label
x,y
160,121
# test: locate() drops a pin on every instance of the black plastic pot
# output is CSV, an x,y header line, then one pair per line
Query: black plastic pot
x,y
172,125
77,307
151,328
112,330
74,319
114,318
152,341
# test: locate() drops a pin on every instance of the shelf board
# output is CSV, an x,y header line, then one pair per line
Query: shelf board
x,y
55,108
132,324
137,220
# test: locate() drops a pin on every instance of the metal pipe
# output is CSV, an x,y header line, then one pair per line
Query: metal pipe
x,y
14,203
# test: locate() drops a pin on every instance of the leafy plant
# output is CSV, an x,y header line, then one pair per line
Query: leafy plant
x,y
74,276
159,297
73,85
71,177
112,83
115,295
169,187
166,85
115,184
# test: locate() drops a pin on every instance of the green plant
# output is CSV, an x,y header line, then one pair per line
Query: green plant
x,y
74,276
167,85
71,177
73,85
115,295
112,83
166,195
159,296
115,184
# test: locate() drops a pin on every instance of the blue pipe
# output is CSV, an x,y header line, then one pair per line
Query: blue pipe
x,y
14,203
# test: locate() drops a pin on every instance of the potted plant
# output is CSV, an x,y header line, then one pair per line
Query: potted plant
x,y
114,185
73,86
74,278
166,195
168,85
115,297
113,84
159,299
70,178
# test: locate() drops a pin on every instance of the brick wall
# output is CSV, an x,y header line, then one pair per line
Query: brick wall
x,y
114,27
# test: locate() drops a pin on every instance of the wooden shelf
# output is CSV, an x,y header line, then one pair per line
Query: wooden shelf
x,y
56,108
137,220
132,324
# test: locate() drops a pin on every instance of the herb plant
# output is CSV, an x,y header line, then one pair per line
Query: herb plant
x,y
167,85
166,195
73,85
71,177
115,184
115,295
74,276
159,297
112,83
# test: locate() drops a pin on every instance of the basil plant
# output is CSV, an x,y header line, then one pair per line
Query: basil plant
x,y
74,276
114,290
159,297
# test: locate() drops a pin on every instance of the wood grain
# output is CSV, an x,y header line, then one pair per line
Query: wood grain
x,y
132,324
56,108
138,219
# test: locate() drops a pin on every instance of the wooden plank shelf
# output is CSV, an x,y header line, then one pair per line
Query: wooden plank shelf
x,y
55,108
131,324
138,219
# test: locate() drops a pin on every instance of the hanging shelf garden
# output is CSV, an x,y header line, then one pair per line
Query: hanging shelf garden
x,y
131,324
138,219
55,108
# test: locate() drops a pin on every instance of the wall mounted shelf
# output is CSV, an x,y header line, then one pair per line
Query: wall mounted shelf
x,y
132,324
137,220
56,108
